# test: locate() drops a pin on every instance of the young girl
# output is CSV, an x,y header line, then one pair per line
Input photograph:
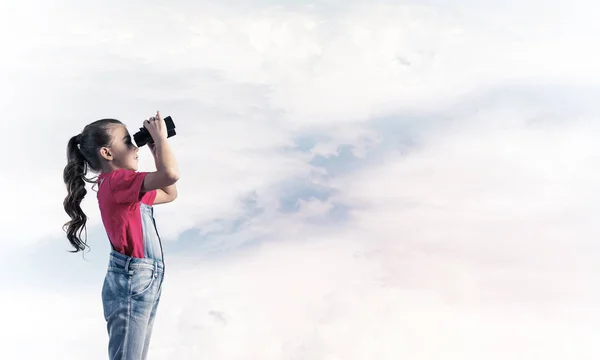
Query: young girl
x,y
133,282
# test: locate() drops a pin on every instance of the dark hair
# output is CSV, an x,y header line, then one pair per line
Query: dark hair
x,y
82,154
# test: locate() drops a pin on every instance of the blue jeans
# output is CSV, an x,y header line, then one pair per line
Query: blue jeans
x,y
130,296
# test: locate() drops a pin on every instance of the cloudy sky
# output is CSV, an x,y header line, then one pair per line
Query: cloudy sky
x,y
359,180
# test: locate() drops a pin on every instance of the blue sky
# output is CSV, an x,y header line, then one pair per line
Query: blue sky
x,y
359,180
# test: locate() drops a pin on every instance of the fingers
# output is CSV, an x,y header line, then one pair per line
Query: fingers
x,y
154,120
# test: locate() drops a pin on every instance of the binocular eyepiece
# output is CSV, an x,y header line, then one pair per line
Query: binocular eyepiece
x,y
143,137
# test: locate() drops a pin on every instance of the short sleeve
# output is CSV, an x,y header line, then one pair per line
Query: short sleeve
x,y
126,186
149,197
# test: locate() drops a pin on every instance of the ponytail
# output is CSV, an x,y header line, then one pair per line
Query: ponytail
x,y
82,155
74,177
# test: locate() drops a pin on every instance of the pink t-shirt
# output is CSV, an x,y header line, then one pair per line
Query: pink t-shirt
x,y
119,198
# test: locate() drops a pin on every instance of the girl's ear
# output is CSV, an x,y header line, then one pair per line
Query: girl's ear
x,y
106,154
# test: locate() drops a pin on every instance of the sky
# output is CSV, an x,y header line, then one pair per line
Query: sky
x,y
359,180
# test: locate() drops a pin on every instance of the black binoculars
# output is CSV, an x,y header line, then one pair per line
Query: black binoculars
x,y
143,137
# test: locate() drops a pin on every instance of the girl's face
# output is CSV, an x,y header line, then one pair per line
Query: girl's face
x,y
123,150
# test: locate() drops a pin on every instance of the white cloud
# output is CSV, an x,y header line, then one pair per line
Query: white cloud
x,y
476,243
266,71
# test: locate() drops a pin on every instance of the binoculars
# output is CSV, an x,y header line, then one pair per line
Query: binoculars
x,y
143,137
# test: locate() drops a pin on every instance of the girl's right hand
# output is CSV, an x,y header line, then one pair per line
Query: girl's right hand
x,y
156,127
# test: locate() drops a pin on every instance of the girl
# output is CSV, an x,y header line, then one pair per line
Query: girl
x,y
133,282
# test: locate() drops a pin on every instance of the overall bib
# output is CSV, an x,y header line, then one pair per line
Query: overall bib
x,y
131,293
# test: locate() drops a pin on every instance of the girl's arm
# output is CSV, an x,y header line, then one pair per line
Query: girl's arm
x,y
166,175
166,194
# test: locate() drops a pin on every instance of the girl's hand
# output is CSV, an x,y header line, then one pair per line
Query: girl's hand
x,y
156,127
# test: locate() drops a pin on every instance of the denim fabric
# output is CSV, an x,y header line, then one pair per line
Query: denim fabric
x,y
131,293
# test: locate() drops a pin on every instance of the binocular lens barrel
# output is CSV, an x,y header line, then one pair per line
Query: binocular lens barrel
x,y
143,137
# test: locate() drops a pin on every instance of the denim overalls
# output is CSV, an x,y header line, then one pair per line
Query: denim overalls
x,y
131,293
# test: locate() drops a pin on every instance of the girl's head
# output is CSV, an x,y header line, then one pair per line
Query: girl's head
x,y
103,146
